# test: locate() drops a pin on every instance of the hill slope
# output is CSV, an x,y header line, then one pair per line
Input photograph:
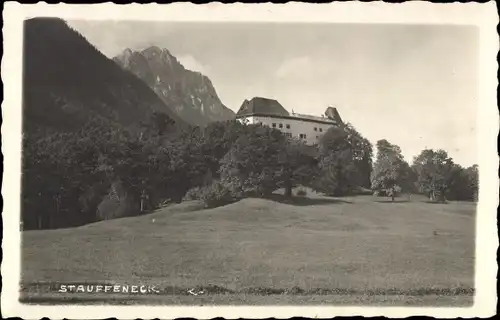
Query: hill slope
x,y
67,83
189,93
357,245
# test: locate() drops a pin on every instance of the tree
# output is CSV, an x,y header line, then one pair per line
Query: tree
x,y
337,174
362,152
463,183
390,172
252,165
297,162
217,138
434,172
337,163
61,186
472,173
162,123
157,124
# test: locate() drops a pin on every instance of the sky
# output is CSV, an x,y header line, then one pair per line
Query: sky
x,y
414,85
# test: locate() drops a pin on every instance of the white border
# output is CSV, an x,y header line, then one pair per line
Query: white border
x,y
484,16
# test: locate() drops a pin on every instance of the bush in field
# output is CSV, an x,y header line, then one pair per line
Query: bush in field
x,y
216,194
301,192
213,195
193,194
165,203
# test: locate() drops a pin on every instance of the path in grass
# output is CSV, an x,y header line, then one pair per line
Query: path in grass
x,y
345,244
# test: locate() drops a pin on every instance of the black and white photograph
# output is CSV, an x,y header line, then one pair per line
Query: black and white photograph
x,y
206,162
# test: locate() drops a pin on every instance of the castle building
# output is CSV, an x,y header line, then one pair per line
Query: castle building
x,y
271,113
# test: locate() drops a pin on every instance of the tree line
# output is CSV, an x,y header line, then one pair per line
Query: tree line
x,y
103,172
432,173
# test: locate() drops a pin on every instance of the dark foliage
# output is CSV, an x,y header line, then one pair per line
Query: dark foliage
x,y
344,161
67,83
81,112
441,179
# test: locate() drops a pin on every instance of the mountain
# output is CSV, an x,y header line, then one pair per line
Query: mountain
x,y
191,94
67,83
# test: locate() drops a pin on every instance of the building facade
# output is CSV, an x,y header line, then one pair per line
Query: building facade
x,y
271,113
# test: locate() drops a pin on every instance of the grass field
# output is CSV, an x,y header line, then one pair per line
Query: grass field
x,y
316,250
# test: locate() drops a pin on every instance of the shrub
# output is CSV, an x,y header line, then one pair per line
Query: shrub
x,y
193,194
395,191
301,192
165,203
216,194
379,193
363,191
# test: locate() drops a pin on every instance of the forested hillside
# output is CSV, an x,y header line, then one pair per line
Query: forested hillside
x,y
68,83
73,97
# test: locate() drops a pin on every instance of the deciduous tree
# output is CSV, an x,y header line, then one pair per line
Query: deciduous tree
x,y
362,152
252,165
390,172
298,162
433,170
338,155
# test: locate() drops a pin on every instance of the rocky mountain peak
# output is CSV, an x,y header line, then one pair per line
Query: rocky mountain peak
x,y
124,57
190,94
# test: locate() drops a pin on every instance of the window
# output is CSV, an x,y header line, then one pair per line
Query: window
x,y
288,126
302,136
320,129
315,129
281,125
288,134
274,125
317,137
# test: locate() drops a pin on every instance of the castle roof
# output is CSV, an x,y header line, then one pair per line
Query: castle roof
x,y
262,106
333,114
265,107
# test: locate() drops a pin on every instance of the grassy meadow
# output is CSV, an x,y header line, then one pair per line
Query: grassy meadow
x,y
313,250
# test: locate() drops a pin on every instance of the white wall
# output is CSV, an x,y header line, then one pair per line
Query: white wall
x,y
297,127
